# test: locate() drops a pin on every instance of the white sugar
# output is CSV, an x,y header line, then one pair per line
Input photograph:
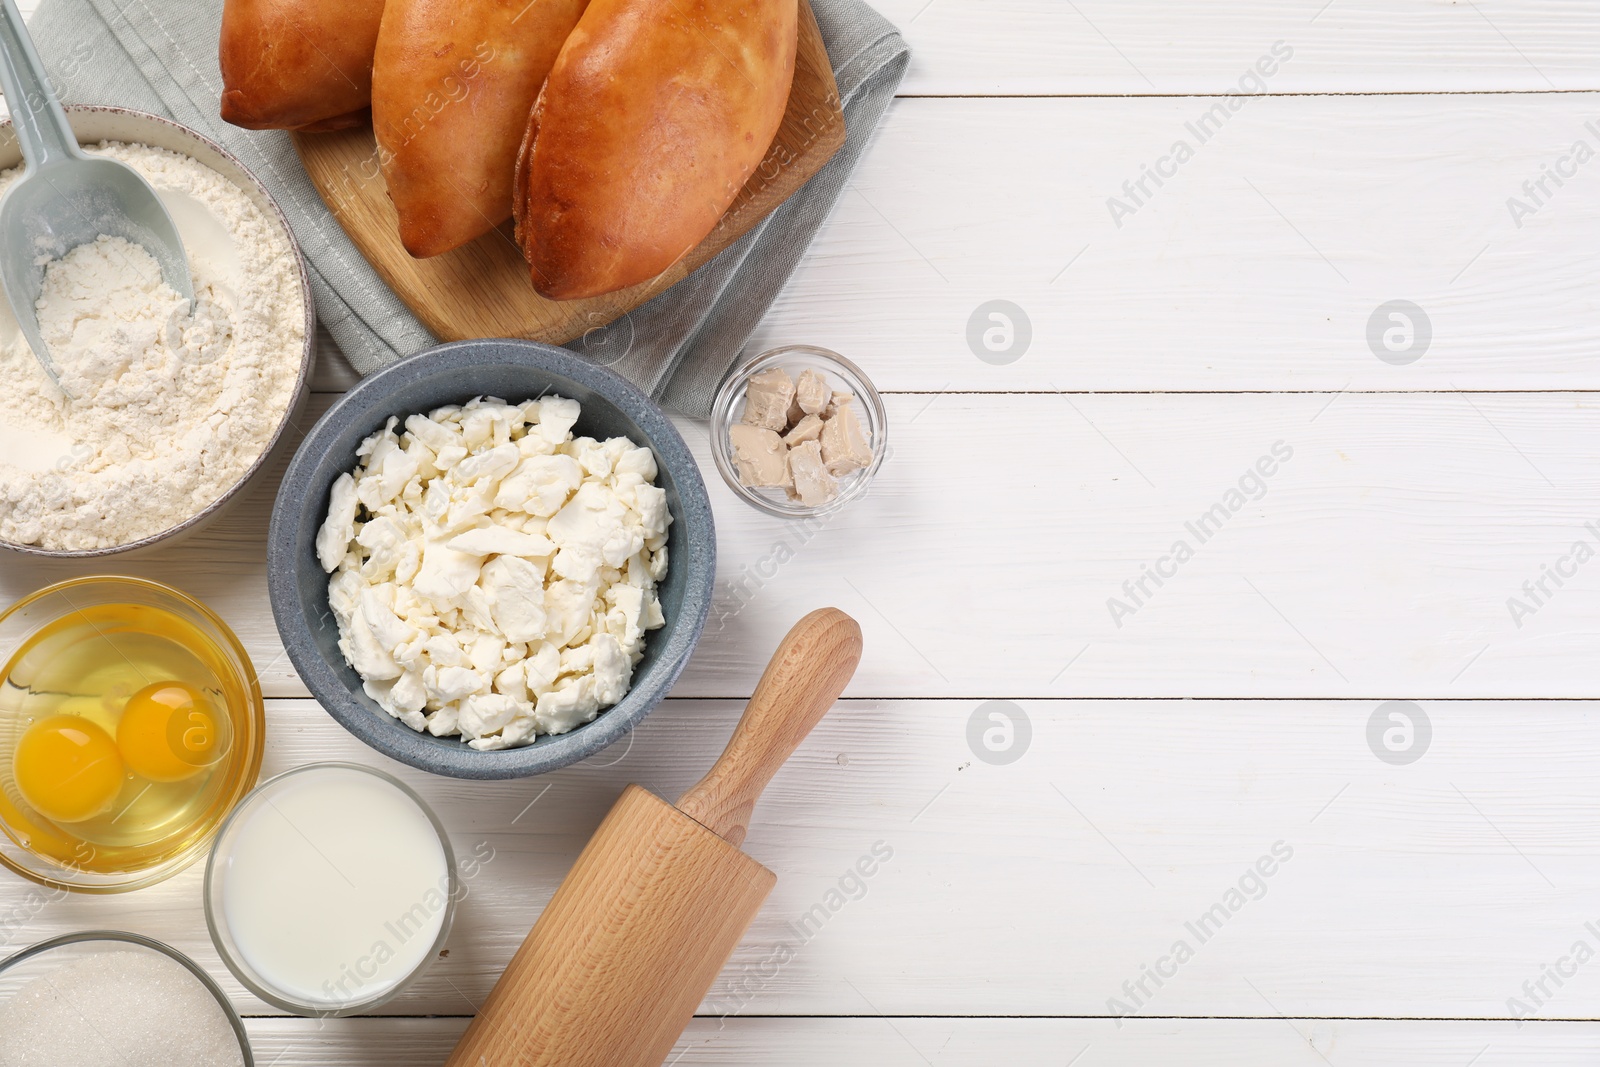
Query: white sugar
x,y
123,1008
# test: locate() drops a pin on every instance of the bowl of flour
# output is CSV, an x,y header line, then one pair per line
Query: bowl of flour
x,y
167,410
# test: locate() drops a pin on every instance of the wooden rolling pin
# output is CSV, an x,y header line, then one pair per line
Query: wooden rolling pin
x,y
634,937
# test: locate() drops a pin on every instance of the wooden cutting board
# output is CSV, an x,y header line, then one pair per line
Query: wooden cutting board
x,y
483,289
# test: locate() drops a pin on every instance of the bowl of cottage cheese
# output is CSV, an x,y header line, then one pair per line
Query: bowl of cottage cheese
x,y
492,559
168,410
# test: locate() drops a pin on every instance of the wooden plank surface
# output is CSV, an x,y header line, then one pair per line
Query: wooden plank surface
x,y
1234,708
917,1042
1113,47
1039,886
1143,47
1381,559
1259,265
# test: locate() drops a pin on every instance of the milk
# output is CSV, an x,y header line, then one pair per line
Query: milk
x,y
335,886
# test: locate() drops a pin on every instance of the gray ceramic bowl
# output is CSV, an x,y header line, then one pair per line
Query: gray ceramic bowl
x,y
452,374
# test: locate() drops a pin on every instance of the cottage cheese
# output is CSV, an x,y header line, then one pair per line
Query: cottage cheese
x,y
172,405
493,575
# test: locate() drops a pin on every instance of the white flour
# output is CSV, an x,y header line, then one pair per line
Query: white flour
x,y
170,409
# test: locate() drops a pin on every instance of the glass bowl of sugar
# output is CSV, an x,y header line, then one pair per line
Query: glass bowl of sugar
x,y
103,998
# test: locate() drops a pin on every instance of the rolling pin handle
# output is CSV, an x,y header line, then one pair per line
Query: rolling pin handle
x,y
812,666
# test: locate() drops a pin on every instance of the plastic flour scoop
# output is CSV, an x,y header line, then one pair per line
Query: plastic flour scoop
x,y
65,198
658,900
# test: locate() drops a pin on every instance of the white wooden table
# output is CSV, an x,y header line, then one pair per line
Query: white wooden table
x,y
1159,751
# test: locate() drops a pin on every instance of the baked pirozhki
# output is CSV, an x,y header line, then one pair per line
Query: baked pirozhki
x,y
452,86
297,64
654,116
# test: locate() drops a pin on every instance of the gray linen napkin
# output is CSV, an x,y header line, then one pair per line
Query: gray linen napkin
x,y
162,57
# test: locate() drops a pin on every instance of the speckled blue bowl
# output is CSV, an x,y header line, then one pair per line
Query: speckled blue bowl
x,y
452,374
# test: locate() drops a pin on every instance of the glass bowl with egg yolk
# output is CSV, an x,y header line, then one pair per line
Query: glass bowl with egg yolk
x,y
131,723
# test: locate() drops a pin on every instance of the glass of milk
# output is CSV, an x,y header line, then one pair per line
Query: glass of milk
x,y
330,889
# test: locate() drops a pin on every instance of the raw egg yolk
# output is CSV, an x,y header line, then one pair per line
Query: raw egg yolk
x,y
168,732
67,768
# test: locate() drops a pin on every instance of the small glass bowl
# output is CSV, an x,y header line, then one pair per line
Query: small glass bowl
x,y
23,968
233,955
843,375
39,850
